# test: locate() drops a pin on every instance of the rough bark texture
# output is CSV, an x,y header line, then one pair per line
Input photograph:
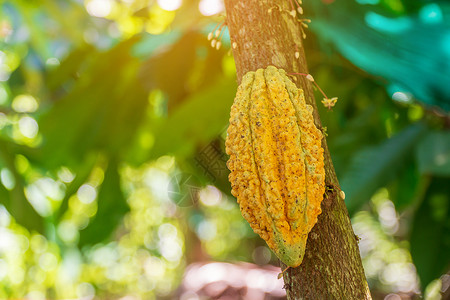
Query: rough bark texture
x,y
332,267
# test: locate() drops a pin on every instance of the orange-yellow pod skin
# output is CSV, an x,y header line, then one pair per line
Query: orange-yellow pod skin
x,y
276,161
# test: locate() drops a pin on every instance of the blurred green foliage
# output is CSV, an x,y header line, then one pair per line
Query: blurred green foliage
x,y
112,164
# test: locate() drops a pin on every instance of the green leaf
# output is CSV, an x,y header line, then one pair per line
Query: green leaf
x,y
82,172
112,206
433,154
153,42
430,235
197,121
15,200
210,164
408,185
69,67
101,111
374,167
170,69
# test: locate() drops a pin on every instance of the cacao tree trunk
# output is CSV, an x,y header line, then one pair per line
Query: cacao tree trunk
x,y
264,33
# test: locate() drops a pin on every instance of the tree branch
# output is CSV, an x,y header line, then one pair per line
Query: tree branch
x,y
263,33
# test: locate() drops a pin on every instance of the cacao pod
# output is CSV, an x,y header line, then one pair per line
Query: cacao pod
x,y
276,161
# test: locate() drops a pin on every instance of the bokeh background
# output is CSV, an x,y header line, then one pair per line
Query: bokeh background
x,y
113,114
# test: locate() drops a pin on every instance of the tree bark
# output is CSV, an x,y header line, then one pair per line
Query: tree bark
x,y
263,33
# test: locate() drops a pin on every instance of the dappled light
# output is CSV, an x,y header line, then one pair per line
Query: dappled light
x,y
99,8
210,7
170,4
385,260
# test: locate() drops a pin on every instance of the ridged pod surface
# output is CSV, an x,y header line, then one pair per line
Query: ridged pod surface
x,y
276,161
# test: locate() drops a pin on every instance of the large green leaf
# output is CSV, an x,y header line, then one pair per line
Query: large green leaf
x,y
69,67
433,153
197,121
374,167
112,206
395,49
182,69
430,235
169,70
101,111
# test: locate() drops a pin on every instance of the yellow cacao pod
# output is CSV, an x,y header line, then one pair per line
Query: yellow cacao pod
x,y
276,161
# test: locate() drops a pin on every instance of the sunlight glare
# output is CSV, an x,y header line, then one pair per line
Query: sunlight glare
x,y
67,231
86,193
207,230
28,127
210,7
3,269
25,103
99,8
169,5
5,217
154,267
48,261
210,196
431,13
7,179
402,97
65,175
85,291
